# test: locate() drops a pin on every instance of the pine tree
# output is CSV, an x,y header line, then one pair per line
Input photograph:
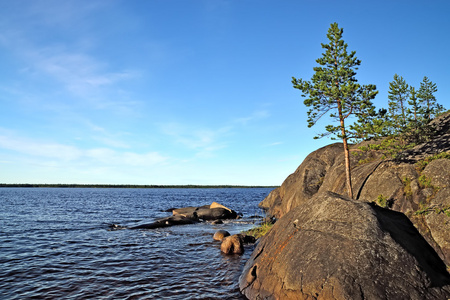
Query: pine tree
x,y
398,96
371,125
333,88
415,111
427,99
416,119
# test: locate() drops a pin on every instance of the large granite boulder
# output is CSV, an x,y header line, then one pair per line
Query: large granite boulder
x,y
437,218
400,181
336,248
304,182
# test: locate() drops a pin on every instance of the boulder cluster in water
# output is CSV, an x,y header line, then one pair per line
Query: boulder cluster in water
x,y
214,212
232,244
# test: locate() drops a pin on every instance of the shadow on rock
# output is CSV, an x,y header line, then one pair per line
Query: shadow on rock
x,y
336,248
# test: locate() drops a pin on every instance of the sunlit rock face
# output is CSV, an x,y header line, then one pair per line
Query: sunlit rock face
x,y
421,193
336,248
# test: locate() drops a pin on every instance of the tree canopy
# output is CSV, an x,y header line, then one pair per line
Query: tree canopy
x,y
398,96
334,89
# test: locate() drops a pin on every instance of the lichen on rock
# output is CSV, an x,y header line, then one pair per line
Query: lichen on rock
x,y
336,248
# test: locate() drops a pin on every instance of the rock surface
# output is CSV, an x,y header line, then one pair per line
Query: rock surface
x,y
166,222
220,235
215,211
187,215
335,248
304,182
400,181
234,244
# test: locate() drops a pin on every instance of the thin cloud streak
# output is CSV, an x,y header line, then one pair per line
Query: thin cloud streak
x,y
256,116
274,144
80,73
33,148
73,65
64,154
200,139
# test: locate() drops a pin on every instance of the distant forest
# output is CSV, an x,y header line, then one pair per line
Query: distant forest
x,y
126,186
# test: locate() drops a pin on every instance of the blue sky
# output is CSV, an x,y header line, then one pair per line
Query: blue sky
x,y
189,91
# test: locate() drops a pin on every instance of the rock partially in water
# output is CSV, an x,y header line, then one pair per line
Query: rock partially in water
x,y
220,235
187,215
214,211
234,244
169,221
218,205
336,248
188,211
217,213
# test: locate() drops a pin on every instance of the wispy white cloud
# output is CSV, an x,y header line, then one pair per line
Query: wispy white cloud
x,y
104,136
257,115
70,60
39,149
64,154
203,140
206,141
82,74
273,144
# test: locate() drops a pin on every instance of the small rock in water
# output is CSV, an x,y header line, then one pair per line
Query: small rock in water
x,y
235,244
220,235
232,245
115,227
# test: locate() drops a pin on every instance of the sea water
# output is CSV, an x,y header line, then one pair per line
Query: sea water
x,y
55,243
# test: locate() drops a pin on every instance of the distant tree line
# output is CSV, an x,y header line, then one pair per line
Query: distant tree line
x,y
128,186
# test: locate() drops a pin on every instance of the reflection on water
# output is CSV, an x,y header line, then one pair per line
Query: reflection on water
x,y
54,244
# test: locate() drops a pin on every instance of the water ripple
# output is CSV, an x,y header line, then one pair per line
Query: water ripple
x,y
55,244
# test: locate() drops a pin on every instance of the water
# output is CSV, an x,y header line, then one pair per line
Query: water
x,y
55,244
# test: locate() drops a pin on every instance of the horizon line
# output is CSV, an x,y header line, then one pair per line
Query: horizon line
x,y
89,185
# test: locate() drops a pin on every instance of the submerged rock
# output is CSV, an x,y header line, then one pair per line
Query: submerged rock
x,y
336,248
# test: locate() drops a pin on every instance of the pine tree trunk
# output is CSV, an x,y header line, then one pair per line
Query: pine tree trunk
x,y
346,152
347,168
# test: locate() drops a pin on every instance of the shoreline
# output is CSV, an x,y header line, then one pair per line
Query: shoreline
x,y
128,186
